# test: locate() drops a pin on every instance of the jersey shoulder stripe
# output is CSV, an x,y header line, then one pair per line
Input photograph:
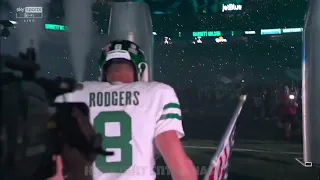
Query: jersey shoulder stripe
x,y
171,105
171,111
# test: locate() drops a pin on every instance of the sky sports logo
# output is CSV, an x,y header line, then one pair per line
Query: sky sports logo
x,y
30,9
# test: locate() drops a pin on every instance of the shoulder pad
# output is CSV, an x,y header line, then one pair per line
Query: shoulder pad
x,y
161,86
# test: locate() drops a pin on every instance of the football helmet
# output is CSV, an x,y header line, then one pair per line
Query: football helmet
x,y
124,50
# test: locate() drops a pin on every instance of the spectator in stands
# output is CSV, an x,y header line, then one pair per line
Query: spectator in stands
x,y
267,101
288,108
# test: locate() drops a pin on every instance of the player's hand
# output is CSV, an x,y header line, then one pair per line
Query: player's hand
x,y
59,167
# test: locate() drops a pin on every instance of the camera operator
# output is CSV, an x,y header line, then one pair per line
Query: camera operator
x,y
71,159
55,139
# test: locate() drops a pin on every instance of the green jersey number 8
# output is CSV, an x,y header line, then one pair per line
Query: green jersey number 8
x,y
121,142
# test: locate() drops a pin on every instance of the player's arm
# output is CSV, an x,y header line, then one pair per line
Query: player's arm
x,y
168,132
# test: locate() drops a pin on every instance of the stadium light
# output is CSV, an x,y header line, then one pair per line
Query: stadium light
x,y
291,96
13,22
167,40
221,40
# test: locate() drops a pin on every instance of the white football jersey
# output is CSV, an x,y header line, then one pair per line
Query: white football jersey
x,y
129,117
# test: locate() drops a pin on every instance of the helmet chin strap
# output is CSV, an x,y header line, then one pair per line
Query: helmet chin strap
x,y
102,78
144,72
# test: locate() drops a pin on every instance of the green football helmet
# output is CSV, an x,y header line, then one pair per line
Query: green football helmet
x,y
127,50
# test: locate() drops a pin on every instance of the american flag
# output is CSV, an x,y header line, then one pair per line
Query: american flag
x,y
219,165
218,169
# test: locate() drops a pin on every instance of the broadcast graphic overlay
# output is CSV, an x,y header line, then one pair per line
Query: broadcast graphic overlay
x,y
29,14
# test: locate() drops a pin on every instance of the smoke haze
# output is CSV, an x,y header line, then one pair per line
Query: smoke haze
x,y
79,19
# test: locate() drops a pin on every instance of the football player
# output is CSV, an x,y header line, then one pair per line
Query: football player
x,y
133,116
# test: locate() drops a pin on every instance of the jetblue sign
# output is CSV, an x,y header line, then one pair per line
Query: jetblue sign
x,y
231,7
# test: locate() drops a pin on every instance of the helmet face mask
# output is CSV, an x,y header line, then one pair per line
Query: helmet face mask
x,y
125,50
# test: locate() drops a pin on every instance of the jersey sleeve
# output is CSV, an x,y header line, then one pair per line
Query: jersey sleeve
x,y
169,114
